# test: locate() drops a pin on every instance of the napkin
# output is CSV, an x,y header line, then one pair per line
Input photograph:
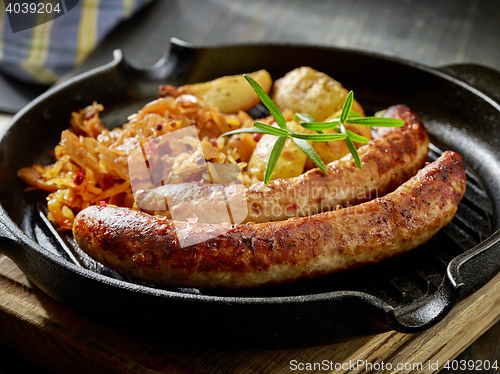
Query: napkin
x,y
39,47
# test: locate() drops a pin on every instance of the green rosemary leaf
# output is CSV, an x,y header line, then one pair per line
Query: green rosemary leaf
x,y
271,130
351,147
244,130
311,153
377,121
318,137
267,101
353,114
356,137
303,116
346,109
354,152
274,157
319,126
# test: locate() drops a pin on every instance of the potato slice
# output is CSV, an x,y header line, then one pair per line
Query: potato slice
x,y
306,90
291,162
230,93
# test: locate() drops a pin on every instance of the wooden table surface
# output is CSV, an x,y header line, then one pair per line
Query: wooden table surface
x,y
428,31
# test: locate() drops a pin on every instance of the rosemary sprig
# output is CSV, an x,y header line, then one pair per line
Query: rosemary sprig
x,y
283,133
302,140
274,157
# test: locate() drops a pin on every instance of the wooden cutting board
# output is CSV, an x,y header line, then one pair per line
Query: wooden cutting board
x,y
56,337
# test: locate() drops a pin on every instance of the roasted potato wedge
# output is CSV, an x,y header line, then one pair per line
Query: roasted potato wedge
x,y
230,93
291,162
309,91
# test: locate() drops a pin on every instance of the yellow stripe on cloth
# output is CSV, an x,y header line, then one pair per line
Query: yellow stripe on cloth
x,y
87,30
39,50
128,7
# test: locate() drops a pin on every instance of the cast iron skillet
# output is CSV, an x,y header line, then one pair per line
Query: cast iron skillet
x,y
408,293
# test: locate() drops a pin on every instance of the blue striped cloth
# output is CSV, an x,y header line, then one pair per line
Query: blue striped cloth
x,y
44,53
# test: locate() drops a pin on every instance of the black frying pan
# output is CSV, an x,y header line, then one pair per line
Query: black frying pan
x,y
460,105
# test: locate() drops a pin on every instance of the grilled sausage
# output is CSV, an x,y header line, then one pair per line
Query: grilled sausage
x,y
389,160
254,254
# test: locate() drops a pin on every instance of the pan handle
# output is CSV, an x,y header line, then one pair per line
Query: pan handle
x,y
426,312
476,267
466,274
484,78
9,246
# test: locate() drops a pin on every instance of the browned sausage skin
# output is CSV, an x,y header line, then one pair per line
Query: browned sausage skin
x,y
250,255
389,160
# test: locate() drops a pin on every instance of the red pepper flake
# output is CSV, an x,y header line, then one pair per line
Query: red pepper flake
x,y
79,178
292,207
256,136
102,204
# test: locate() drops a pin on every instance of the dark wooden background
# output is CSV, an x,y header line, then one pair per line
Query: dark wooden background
x,y
433,32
